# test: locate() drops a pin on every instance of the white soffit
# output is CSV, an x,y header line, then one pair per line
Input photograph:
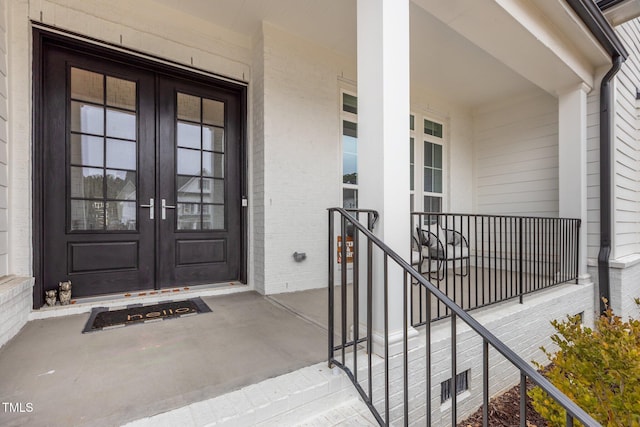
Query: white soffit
x,y
542,41
623,12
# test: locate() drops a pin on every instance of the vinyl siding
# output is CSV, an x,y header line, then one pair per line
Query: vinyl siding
x,y
593,174
516,157
626,156
4,162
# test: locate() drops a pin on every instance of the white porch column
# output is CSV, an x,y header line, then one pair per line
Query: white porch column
x,y
572,156
383,145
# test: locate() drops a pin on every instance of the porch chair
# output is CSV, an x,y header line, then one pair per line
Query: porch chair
x,y
438,245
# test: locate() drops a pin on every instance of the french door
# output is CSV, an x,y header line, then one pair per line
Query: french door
x,y
141,176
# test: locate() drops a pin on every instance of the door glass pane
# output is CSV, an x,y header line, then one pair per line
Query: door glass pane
x,y
87,118
213,164
428,154
188,189
213,112
212,190
213,138
188,107
213,217
349,103
87,183
120,215
121,124
102,168
188,216
121,154
188,162
121,185
87,86
200,163
428,180
188,135
87,215
121,93
87,150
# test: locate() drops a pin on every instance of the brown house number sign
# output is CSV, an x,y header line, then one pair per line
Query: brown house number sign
x,y
350,249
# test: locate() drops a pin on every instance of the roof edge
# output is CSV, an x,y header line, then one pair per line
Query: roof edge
x,y
595,21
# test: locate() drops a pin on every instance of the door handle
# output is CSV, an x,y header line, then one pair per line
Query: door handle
x,y
152,208
165,206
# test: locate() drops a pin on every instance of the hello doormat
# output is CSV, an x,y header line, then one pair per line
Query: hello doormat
x,y
104,318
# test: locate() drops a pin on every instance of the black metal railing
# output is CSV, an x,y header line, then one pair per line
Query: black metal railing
x,y
479,260
385,384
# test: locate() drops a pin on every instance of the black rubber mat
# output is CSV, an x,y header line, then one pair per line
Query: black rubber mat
x,y
105,318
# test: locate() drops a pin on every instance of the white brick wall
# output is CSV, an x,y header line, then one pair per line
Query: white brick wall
x,y
516,156
15,306
301,157
523,328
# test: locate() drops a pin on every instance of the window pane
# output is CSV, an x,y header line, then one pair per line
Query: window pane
x,y
188,135
213,138
212,164
87,118
212,190
121,93
121,154
87,150
437,181
349,128
188,216
428,154
349,103
188,162
121,124
412,121
437,130
121,185
212,217
87,215
121,215
411,184
87,86
428,180
349,198
188,107
87,183
213,112
349,168
437,156
411,164
428,127
436,204
411,203
188,189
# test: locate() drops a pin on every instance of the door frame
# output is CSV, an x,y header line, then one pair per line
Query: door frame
x,y
44,37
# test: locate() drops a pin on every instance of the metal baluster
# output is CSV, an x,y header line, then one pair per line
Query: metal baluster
x,y
454,373
405,330
523,400
331,288
343,290
386,339
485,383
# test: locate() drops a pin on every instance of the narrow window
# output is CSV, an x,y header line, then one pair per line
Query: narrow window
x,y
349,151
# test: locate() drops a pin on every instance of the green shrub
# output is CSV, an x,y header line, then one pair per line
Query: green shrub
x,y
598,369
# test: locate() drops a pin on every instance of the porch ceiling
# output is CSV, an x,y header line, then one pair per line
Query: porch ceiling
x,y
446,59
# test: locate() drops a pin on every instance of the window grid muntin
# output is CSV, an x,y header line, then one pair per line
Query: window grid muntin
x,y
197,208
99,203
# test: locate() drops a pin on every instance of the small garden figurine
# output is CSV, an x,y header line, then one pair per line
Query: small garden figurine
x,y
50,297
65,292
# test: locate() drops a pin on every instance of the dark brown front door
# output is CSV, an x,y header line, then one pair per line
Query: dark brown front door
x,y
141,176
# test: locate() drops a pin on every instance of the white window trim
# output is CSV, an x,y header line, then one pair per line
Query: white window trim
x,y
419,139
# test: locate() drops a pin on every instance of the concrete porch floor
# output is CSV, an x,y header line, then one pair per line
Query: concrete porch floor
x,y
114,376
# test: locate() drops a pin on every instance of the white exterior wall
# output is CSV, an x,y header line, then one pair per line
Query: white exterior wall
x,y
593,176
4,136
302,156
516,156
